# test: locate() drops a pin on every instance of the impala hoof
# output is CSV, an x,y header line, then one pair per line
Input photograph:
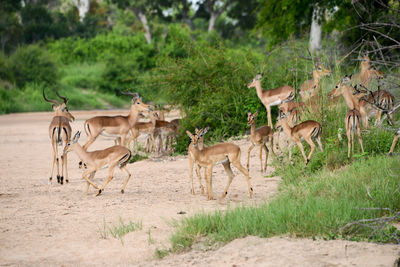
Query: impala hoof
x,y
99,192
390,154
61,180
67,181
122,191
58,178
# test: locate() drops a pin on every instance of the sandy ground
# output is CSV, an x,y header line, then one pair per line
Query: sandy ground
x,y
51,224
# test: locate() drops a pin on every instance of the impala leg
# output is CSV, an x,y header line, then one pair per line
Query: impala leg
x,y
210,195
54,163
319,143
271,139
87,183
191,172
396,137
86,173
360,137
352,140
58,165
228,170
199,176
62,168
239,166
299,144
312,145
248,156
348,141
291,144
266,156
261,165
269,116
66,168
126,180
109,178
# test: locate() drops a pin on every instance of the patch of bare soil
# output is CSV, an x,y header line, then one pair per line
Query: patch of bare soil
x,y
52,224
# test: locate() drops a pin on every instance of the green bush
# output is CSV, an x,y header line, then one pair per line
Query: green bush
x,y
32,64
78,50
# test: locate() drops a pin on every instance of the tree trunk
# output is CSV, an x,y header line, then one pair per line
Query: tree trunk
x,y
316,29
143,19
83,7
213,18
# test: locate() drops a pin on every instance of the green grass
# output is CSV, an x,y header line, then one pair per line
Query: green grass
x,y
119,230
82,75
307,206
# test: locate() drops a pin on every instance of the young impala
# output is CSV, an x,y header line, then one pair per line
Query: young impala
x,y
272,97
260,136
115,125
60,133
115,156
306,130
367,72
353,123
311,87
200,144
225,153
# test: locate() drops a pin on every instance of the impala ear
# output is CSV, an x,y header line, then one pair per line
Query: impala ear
x,y
76,137
189,134
205,130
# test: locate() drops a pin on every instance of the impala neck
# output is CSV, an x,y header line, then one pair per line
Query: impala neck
x,y
316,78
252,129
351,101
133,116
286,127
82,154
258,88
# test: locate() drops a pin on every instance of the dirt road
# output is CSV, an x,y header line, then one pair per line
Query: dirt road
x,y
52,224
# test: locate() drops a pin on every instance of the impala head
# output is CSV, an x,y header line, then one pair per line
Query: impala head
x,y
365,62
71,144
281,119
321,71
137,103
60,109
195,138
337,90
254,81
251,117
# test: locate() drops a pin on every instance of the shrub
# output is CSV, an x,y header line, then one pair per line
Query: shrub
x,y
98,48
32,64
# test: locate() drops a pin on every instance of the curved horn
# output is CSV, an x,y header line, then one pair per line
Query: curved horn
x,y
129,93
50,100
63,97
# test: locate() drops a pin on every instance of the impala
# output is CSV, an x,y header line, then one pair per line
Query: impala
x,y
260,136
115,125
306,130
396,137
367,72
353,123
115,156
168,131
272,97
225,153
311,87
148,128
352,98
200,144
60,133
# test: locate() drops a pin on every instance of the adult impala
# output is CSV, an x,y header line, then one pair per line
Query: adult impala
x,y
306,130
115,125
353,123
260,136
60,133
272,97
311,88
225,153
115,156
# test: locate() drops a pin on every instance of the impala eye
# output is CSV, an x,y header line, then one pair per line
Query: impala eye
x,y
336,87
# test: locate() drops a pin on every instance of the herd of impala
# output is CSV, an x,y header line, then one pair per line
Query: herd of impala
x,y
126,129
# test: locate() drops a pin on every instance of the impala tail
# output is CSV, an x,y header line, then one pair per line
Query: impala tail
x,y
125,159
